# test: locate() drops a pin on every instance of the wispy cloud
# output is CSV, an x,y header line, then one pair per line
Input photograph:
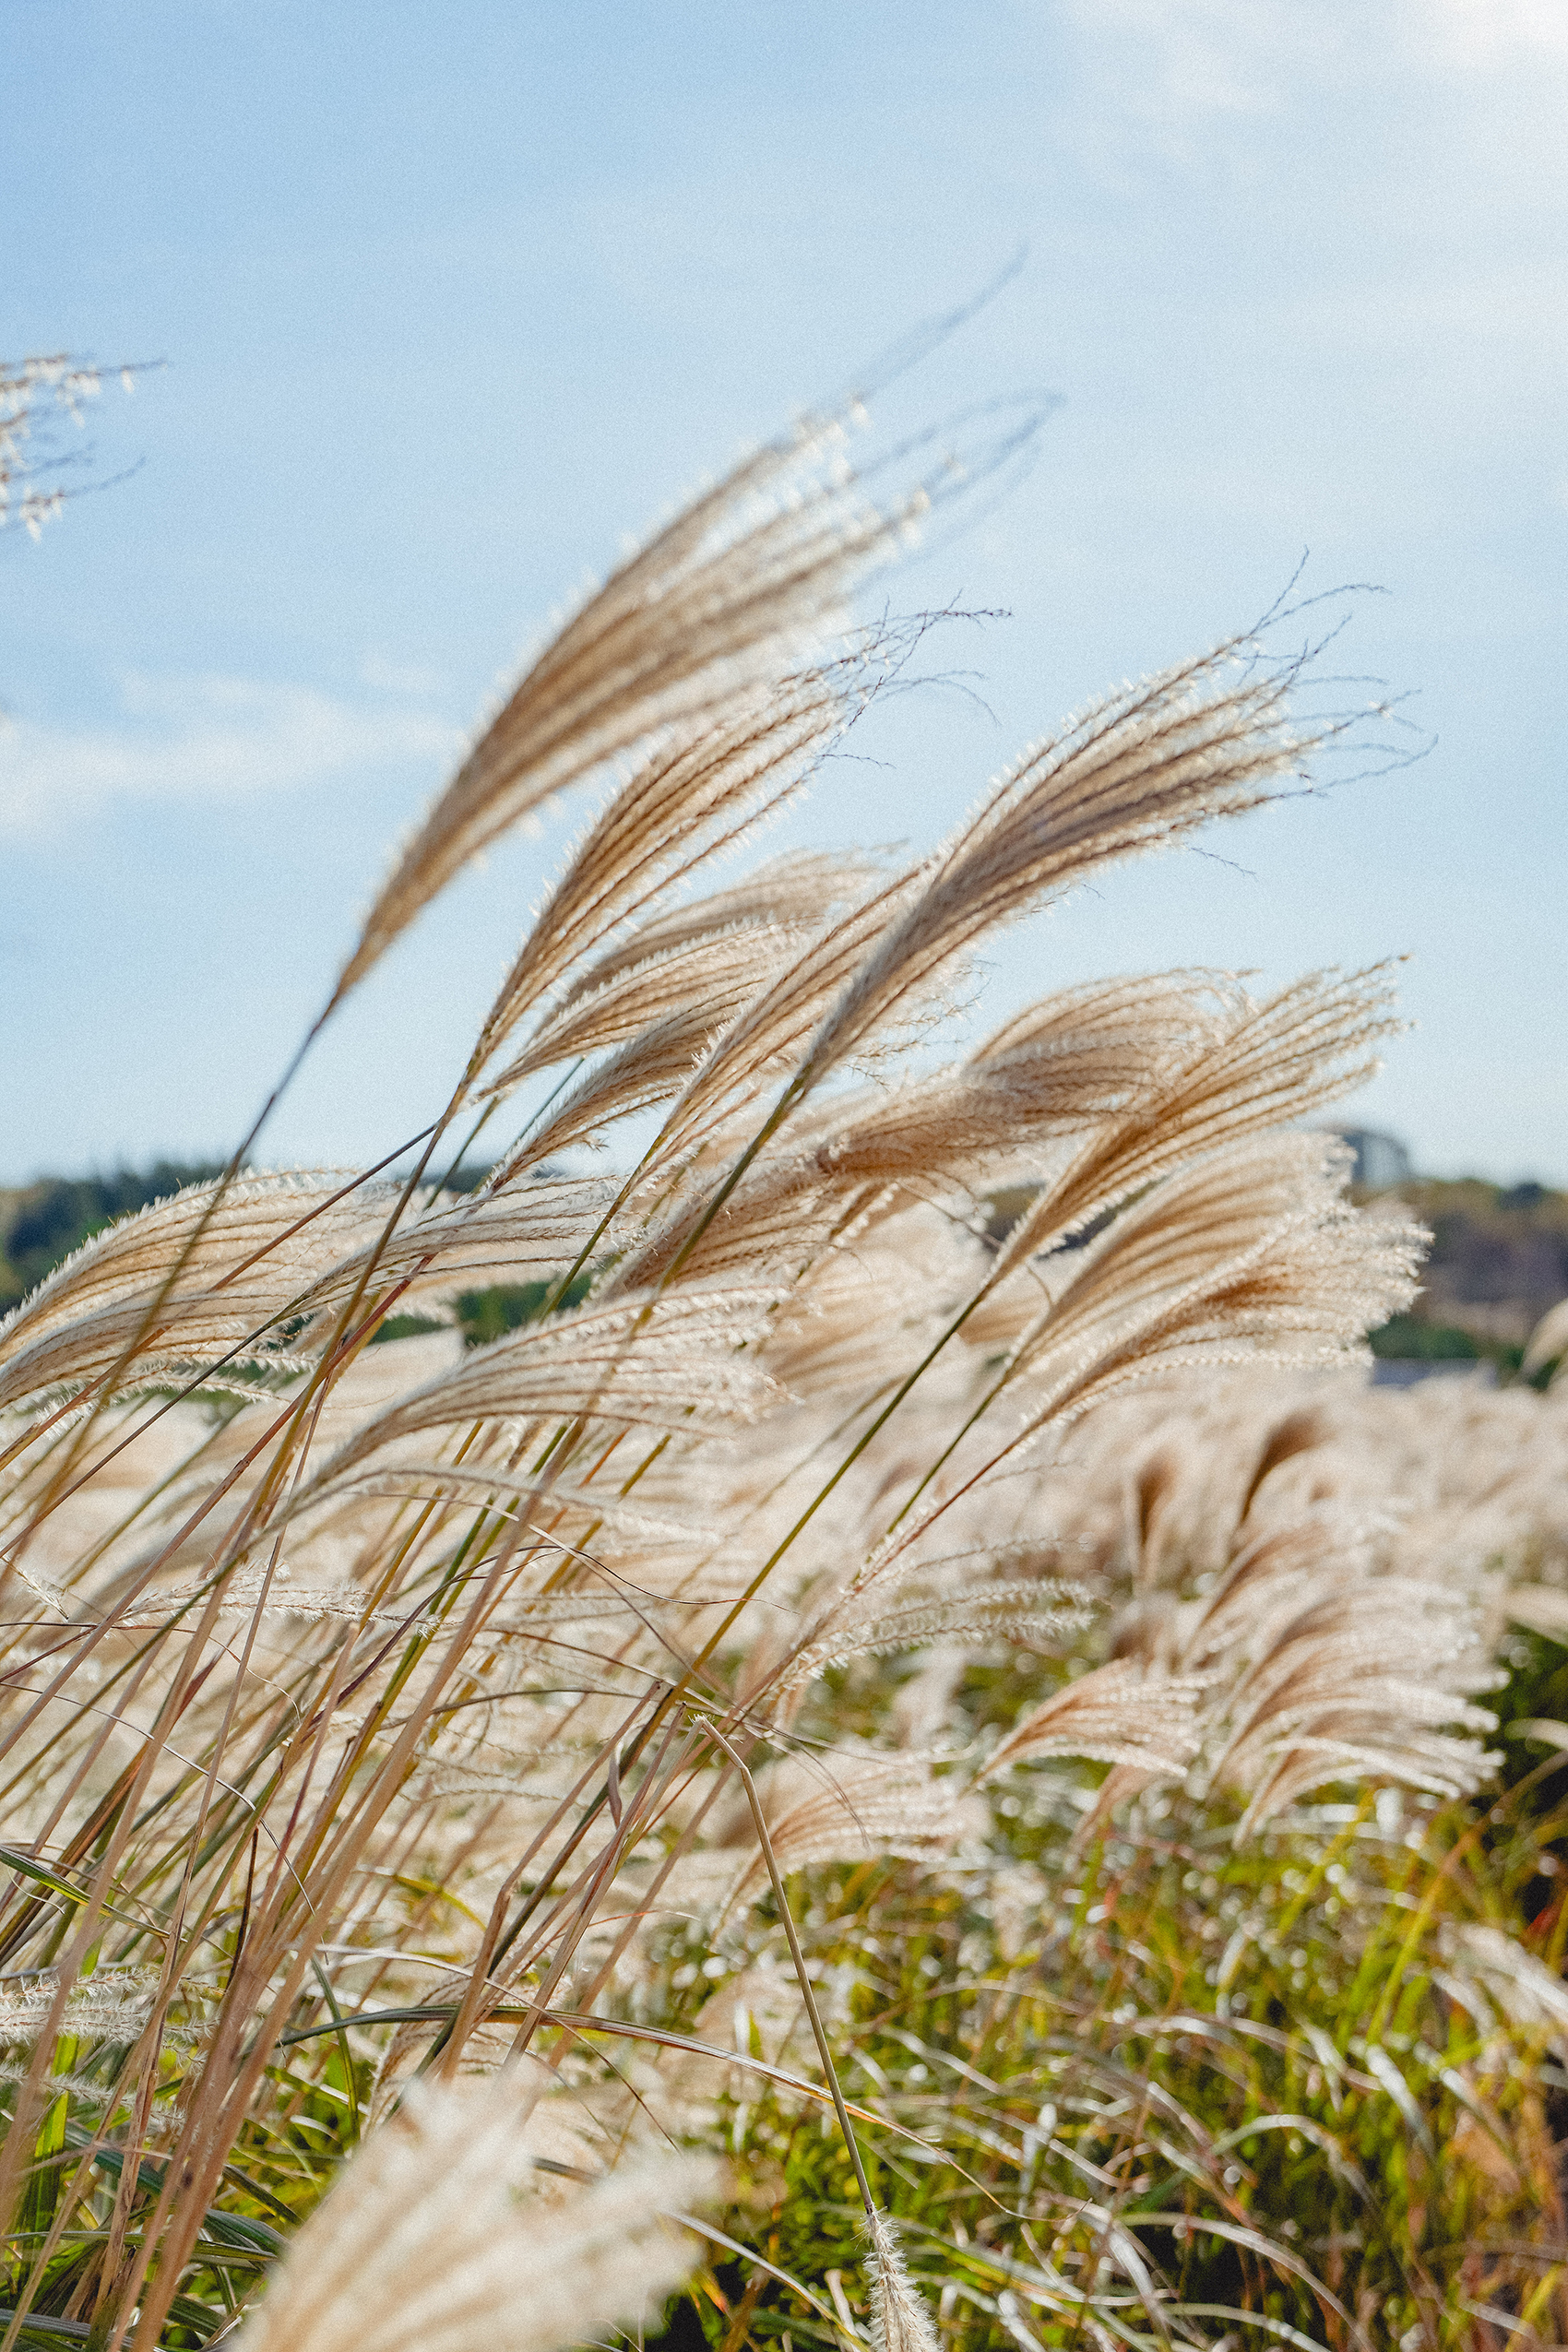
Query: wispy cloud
x,y
1482,32
1175,62
202,740
1181,58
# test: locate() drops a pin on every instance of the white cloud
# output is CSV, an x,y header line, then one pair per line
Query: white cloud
x,y
203,740
1489,32
1175,62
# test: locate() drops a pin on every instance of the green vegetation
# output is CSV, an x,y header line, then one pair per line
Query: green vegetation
x,y
507,1306
1249,2062
41,1223
1408,1337
1499,1260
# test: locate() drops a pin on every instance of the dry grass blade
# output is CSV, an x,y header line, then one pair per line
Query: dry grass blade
x,y
1528,1993
1548,1340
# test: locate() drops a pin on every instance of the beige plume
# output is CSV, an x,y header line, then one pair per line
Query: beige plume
x,y
677,632
1253,1256
849,1807
1142,767
899,2318
111,2005
673,1007
524,1234
963,1606
1246,1066
246,1261
800,889
719,971
781,1216
777,1027
1073,1060
430,2241
647,1069
660,1019
698,794
1117,1713
874,1298
1319,1668
671,1363
1336,1674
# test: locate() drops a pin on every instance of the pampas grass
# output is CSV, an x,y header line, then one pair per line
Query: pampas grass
x,y
434,1774
899,2320
36,475
437,2239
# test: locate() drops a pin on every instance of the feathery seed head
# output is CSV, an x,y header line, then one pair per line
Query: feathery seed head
x,y
431,2242
899,2320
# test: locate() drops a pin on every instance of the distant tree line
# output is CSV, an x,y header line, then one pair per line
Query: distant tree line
x,y
41,1223
1499,1258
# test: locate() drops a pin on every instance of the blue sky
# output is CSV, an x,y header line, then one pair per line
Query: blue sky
x,y
452,299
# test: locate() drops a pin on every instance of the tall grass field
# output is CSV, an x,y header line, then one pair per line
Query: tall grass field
x,y
894,1748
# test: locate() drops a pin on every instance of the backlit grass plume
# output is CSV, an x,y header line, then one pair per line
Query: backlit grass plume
x,y
439,2237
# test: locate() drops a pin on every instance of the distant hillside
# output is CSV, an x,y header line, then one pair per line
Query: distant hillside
x,y
1498,1258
